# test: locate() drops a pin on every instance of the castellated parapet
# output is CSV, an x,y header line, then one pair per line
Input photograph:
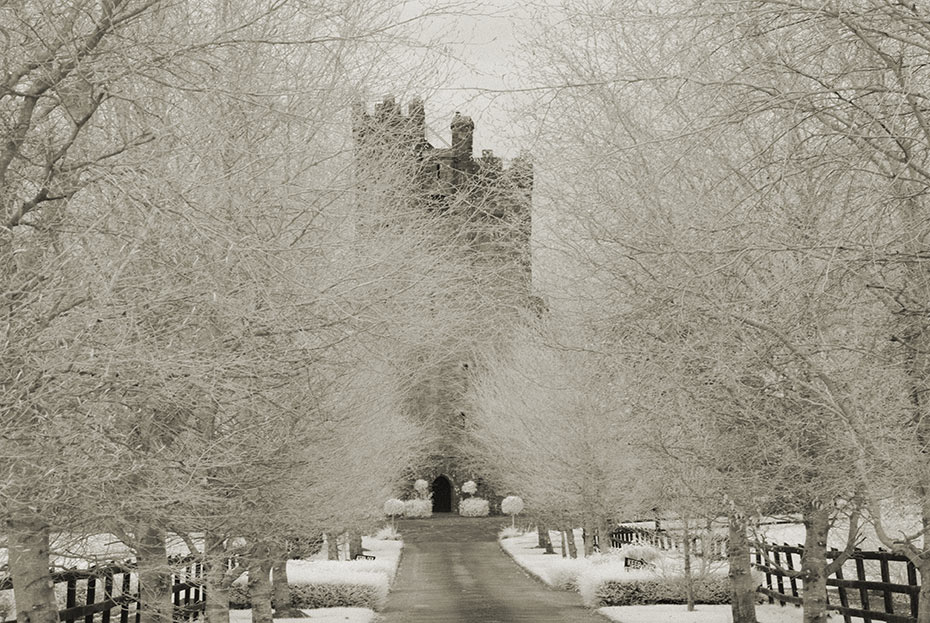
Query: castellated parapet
x,y
398,166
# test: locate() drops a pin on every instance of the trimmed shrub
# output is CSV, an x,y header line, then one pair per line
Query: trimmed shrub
x,y
418,508
363,594
474,507
332,587
394,507
470,487
512,505
708,589
564,573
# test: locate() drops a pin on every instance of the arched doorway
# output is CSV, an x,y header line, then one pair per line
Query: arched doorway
x,y
442,495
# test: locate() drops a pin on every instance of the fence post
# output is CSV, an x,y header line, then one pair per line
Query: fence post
x,y
91,594
70,596
912,581
863,593
778,577
791,579
844,598
886,578
107,593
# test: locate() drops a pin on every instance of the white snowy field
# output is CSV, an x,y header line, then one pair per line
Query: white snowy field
x,y
378,573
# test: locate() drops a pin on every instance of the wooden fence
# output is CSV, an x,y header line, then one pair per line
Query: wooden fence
x,y
714,548
101,590
854,590
870,585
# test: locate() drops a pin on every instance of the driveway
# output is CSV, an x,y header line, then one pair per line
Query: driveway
x,y
453,571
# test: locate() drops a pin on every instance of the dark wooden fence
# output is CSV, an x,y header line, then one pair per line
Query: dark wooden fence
x,y
110,591
714,547
873,586
870,585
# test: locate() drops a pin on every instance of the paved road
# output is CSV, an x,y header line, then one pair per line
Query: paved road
x,y
453,571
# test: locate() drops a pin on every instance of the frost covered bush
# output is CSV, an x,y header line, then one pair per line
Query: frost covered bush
x,y
418,508
512,505
341,595
421,487
393,508
564,573
474,507
470,487
610,587
330,584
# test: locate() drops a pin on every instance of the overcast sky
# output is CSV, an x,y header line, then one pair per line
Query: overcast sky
x,y
486,45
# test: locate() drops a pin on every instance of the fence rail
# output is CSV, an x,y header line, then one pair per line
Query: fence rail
x,y
100,590
714,547
860,595
870,585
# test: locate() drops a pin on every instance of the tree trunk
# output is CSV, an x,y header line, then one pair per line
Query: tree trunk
x,y
281,591
28,550
570,537
217,593
332,546
542,534
686,551
603,534
587,538
564,547
260,585
154,576
814,563
355,545
742,586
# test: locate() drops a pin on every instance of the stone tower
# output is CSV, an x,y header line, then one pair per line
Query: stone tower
x,y
474,202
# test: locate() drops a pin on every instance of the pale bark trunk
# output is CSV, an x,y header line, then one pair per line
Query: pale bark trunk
x,y
542,536
570,537
217,598
28,550
154,576
603,534
355,545
260,585
332,546
814,564
742,586
281,592
564,548
587,536
686,550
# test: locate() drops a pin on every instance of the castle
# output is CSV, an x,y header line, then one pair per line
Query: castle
x,y
480,209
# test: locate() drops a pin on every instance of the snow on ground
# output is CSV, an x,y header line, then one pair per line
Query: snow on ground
x,y
550,568
379,572
701,614
321,615
560,572
386,553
